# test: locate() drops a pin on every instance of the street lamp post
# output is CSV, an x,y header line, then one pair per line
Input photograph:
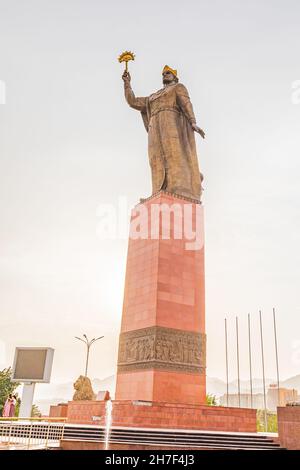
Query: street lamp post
x,y
88,346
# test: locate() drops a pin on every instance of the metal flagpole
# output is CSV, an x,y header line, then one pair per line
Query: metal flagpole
x,y
263,371
276,350
226,356
250,360
238,358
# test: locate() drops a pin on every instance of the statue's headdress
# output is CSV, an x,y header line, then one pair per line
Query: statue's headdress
x,y
167,68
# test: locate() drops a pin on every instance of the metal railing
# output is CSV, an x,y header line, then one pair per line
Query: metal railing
x,y
31,433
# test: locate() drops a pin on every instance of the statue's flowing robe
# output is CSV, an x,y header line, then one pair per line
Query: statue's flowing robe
x,y
168,115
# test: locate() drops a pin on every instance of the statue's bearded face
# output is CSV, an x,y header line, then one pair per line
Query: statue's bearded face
x,y
168,77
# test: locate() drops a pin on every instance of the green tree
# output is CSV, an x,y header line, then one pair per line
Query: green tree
x,y
35,412
6,386
18,404
271,421
211,400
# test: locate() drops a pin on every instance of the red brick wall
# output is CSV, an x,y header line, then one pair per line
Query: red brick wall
x,y
289,427
82,412
166,415
58,411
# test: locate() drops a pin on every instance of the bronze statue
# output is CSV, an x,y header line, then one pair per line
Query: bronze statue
x,y
170,122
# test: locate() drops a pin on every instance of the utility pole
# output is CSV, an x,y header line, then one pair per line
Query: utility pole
x,y
88,346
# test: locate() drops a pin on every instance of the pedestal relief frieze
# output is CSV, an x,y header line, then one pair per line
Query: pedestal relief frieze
x,y
162,348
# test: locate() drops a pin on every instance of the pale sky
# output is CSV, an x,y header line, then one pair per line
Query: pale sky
x,y
69,143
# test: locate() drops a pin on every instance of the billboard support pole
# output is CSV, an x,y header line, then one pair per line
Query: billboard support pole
x,y
27,400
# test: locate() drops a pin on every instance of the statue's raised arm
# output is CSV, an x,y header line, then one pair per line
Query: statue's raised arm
x,y
137,103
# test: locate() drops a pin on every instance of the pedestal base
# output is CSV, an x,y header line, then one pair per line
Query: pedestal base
x,y
164,415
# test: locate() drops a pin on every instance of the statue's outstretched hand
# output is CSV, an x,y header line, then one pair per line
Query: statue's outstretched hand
x,y
197,129
126,77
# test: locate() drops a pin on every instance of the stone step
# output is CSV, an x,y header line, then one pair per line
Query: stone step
x,y
174,438
166,432
199,444
161,438
138,436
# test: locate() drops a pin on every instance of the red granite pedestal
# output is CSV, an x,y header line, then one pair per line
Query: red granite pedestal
x,y
162,340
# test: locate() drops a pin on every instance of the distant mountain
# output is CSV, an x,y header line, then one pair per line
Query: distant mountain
x,y
215,386
292,382
44,405
218,387
109,383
